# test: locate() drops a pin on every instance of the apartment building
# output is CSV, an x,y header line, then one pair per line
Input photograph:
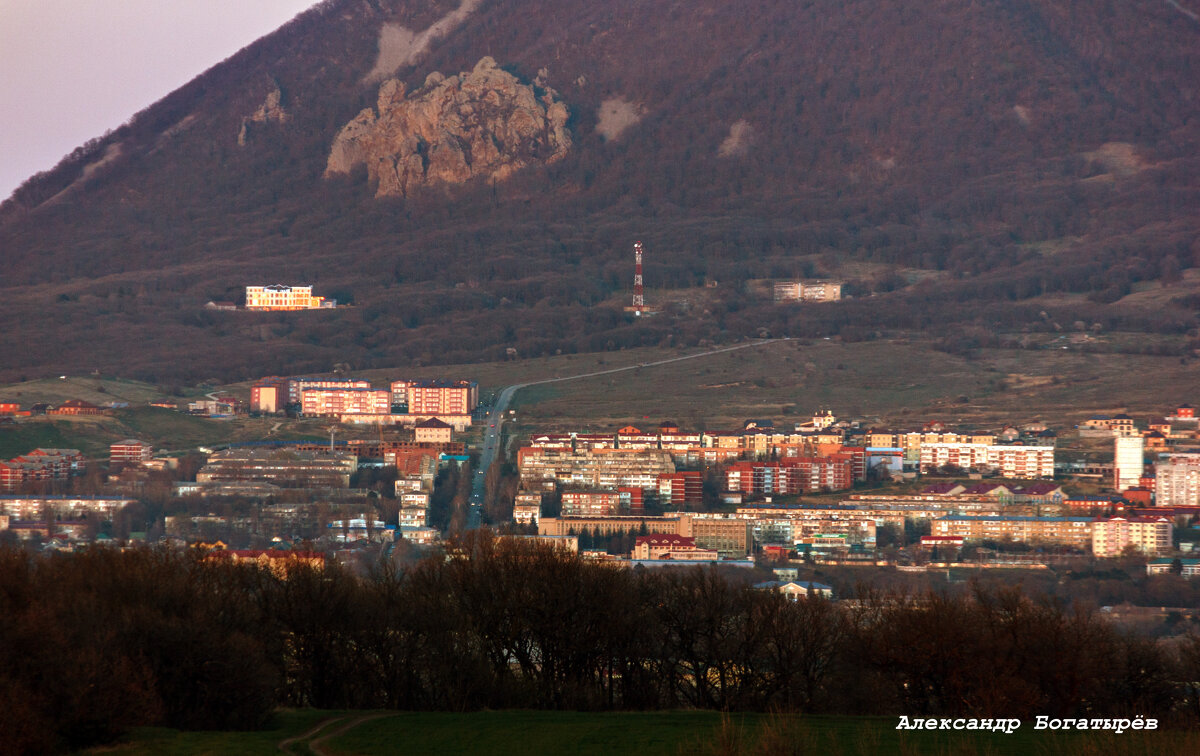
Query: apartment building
x,y
284,467
298,385
790,477
130,451
1151,536
1177,480
325,402
1075,532
592,468
1026,462
41,465
1128,462
681,489
440,397
590,503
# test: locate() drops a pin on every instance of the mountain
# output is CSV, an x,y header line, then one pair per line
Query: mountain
x,y
999,165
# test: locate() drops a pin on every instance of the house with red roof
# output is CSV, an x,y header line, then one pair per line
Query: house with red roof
x,y
669,546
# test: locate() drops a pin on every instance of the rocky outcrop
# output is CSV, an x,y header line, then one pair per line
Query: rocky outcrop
x,y
270,110
484,123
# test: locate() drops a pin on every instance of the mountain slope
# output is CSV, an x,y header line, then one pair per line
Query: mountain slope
x,y
1006,150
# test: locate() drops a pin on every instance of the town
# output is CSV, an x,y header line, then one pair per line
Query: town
x,y
826,491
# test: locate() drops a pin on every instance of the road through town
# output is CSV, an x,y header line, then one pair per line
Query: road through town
x,y
493,433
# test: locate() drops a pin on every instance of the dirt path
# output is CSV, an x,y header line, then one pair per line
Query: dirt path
x,y
286,745
317,746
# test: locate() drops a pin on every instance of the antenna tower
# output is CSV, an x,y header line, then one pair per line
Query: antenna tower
x,y
639,300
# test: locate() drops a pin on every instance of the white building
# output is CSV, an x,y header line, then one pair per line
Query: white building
x,y
1025,462
1128,462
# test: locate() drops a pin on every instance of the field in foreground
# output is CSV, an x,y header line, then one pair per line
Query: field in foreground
x,y
666,733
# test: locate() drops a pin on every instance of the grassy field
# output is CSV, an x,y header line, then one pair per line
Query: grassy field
x,y
500,733
900,383
94,389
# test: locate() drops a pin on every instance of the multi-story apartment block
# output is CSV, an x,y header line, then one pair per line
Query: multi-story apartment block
x,y
280,297
414,517
593,468
807,291
1128,462
41,465
297,386
789,477
1026,462
681,489
130,451
590,503
283,467
414,499
1075,532
442,397
1148,535
1177,480
324,402
35,507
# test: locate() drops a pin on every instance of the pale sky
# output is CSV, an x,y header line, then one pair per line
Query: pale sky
x,y
72,69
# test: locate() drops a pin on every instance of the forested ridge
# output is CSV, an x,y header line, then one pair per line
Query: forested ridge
x,y
943,157
96,642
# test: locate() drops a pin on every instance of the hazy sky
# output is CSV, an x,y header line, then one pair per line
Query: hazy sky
x,y
72,69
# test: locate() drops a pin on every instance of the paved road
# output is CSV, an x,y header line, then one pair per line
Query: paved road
x,y
493,434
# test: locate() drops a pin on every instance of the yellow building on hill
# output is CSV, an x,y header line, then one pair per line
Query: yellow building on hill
x,y
280,297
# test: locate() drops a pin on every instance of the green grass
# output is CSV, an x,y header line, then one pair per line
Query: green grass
x,y
501,733
151,741
25,437
172,429
518,733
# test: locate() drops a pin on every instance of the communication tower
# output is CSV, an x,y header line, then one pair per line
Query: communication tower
x,y
639,307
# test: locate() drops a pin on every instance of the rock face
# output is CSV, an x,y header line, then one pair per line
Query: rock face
x,y
270,110
483,123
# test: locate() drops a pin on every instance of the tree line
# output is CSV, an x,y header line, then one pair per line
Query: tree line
x,y
96,642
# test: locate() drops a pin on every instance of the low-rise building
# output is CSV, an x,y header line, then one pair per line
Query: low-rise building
x,y
807,291
670,546
279,562
433,430
1188,568
526,514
